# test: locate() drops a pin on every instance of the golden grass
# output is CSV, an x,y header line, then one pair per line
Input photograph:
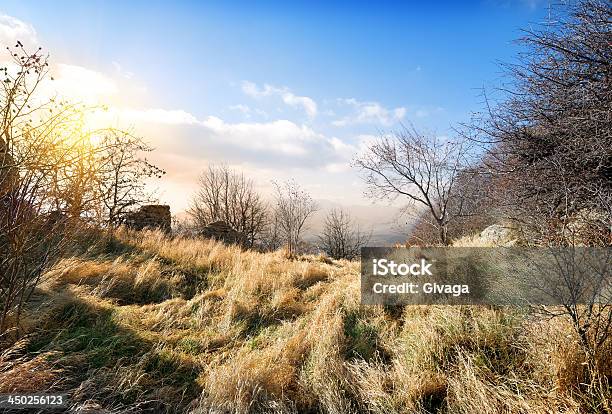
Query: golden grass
x,y
28,374
181,325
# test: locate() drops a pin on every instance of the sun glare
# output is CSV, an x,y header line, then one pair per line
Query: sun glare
x,y
95,140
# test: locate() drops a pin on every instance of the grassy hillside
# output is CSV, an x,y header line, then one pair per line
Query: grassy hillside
x,y
139,322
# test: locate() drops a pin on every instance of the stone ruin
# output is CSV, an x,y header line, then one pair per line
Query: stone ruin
x,y
221,231
154,216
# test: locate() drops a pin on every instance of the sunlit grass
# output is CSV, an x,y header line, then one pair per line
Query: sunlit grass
x,y
202,327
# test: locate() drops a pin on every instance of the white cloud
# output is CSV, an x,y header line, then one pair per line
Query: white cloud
x,y
161,116
369,113
341,146
241,108
247,111
259,138
79,83
74,83
250,89
288,97
13,29
280,136
338,167
305,102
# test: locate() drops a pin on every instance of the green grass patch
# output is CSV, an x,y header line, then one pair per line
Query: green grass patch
x,y
362,339
90,331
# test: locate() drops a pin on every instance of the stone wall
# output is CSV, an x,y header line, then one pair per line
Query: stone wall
x,y
153,216
220,230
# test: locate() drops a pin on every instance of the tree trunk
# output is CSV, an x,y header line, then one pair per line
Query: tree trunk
x,y
443,229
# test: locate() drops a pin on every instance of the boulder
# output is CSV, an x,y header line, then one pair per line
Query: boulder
x,y
221,231
154,216
497,234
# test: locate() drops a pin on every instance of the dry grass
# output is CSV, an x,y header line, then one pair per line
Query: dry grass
x,y
144,322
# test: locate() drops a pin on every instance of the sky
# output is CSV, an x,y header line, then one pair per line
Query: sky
x,y
277,90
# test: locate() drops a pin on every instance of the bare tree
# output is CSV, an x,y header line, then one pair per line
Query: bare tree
x,y
421,169
121,178
578,281
42,163
53,178
341,237
293,208
550,132
225,195
549,137
271,238
474,207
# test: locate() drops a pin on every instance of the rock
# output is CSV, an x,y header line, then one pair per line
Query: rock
x,y
221,231
497,234
153,216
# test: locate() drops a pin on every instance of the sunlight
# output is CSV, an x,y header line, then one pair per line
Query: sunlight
x,y
79,84
96,140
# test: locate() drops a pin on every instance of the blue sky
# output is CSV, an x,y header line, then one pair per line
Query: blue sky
x,y
278,89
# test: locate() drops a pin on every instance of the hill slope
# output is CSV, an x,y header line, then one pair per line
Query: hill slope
x,y
143,323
